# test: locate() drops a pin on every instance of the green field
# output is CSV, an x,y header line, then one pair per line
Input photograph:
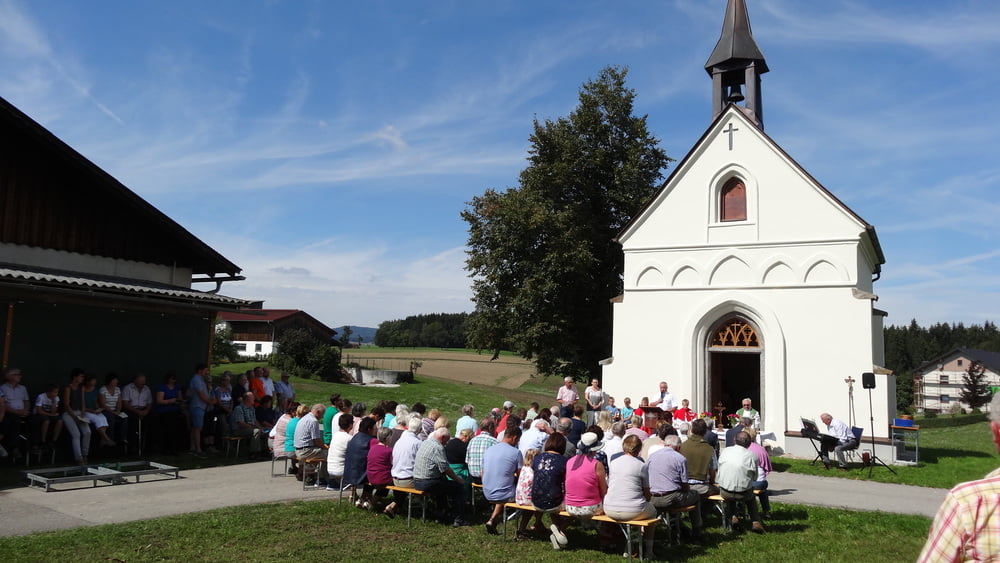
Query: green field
x,y
325,531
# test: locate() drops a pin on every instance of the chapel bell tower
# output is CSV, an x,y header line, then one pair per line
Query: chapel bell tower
x,y
736,65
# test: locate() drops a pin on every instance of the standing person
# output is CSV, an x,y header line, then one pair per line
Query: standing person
x,y
567,397
223,411
966,524
548,490
137,401
18,409
199,401
241,386
747,411
73,416
110,403
841,439
737,472
595,401
664,399
501,464
284,392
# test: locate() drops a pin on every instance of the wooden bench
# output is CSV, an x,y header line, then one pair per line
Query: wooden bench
x,y
720,506
409,501
672,518
472,494
313,463
229,442
284,456
626,526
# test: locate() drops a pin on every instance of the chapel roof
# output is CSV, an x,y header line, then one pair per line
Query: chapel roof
x,y
684,162
736,42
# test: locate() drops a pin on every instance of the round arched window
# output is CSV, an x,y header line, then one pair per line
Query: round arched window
x,y
733,201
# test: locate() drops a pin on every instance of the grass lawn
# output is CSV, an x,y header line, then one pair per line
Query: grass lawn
x,y
326,531
948,456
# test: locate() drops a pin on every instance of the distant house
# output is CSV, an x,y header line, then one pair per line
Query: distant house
x,y
938,383
255,332
91,275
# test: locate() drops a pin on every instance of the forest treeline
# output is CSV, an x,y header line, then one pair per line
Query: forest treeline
x,y
438,330
907,347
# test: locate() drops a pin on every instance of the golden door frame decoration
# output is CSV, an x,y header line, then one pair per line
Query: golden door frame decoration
x,y
735,333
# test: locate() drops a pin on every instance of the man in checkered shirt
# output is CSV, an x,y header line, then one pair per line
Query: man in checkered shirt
x,y
967,526
478,446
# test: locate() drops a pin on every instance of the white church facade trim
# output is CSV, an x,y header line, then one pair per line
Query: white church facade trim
x,y
745,277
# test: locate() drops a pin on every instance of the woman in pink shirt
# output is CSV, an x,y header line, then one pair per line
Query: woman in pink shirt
x,y
587,482
380,467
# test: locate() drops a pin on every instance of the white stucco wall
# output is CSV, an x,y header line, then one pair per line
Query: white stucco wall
x,y
251,348
789,268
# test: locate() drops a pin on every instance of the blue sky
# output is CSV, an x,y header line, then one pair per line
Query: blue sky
x,y
328,147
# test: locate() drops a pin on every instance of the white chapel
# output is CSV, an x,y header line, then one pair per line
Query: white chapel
x,y
745,277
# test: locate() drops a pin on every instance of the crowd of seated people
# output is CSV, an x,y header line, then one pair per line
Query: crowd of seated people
x,y
550,464
136,417
547,459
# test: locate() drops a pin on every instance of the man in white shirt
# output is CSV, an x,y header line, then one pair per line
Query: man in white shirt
x,y
534,437
845,440
737,472
567,397
664,399
137,402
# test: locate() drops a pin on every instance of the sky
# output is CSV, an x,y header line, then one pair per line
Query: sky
x,y
328,148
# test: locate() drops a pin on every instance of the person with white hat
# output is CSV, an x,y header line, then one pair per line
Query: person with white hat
x,y
586,480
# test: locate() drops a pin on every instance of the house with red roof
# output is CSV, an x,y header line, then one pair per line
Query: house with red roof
x,y
255,332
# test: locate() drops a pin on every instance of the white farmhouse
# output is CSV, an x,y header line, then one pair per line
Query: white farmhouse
x,y
745,277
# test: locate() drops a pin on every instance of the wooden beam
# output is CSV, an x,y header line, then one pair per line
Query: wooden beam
x,y
8,331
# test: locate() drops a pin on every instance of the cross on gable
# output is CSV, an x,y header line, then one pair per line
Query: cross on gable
x,y
730,130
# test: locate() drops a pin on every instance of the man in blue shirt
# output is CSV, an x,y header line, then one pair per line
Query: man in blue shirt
x,y
501,465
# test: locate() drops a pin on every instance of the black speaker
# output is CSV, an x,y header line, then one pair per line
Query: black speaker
x,y
868,380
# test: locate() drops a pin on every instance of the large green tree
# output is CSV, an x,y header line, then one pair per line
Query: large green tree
x,y
542,256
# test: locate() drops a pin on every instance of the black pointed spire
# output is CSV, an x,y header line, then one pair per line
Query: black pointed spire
x,y
737,61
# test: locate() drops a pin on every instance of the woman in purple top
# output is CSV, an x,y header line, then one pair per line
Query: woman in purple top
x,y
548,490
380,467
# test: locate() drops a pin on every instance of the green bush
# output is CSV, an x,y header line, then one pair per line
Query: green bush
x,y
935,421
